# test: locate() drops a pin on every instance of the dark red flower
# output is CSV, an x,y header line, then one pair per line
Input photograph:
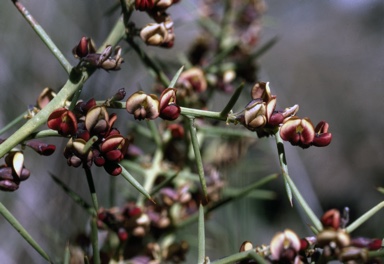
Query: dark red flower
x,y
322,137
63,121
299,132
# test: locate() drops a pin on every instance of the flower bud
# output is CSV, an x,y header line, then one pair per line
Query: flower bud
x,y
331,218
41,147
85,47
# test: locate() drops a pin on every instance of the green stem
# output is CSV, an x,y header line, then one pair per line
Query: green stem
x,y
91,186
19,228
43,36
291,185
201,236
202,113
364,217
95,241
75,82
149,62
198,159
13,123
155,133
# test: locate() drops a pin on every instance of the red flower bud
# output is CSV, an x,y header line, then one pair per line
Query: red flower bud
x,y
331,218
41,147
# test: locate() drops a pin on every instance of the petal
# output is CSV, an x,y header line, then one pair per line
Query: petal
x,y
167,96
111,143
322,140
135,101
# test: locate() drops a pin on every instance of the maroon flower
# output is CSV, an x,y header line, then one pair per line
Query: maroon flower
x,y
144,5
63,121
322,137
41,147
331,218
84,48
299,132
143,106
168,108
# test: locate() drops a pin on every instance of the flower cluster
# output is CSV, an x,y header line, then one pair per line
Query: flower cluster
x,y
86,52
160,33
331,243
93,139
144,106
260,115
13,172
140,229
135,228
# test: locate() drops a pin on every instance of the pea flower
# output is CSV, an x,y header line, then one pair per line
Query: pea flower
x,y
63,121
143,106
168,108
285,246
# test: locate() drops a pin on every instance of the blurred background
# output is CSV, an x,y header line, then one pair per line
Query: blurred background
x,y
329,59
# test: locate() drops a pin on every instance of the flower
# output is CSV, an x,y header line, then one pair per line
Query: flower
x,y
322,137
193,79
285,246
41,147
86,52
168,108
85,47
144,5
63,121
299,132
143,106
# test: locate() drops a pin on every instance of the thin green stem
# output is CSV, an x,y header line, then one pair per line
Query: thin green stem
x,y
13,123
201,113
67,255
112,191
91,186
75,82
290,185
149,62
201,236
213,206
152,173
43,36
19,228
364,217
126,175
155,133
95,241
198,159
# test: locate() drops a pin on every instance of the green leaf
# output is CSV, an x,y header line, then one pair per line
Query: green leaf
x,y
21,230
